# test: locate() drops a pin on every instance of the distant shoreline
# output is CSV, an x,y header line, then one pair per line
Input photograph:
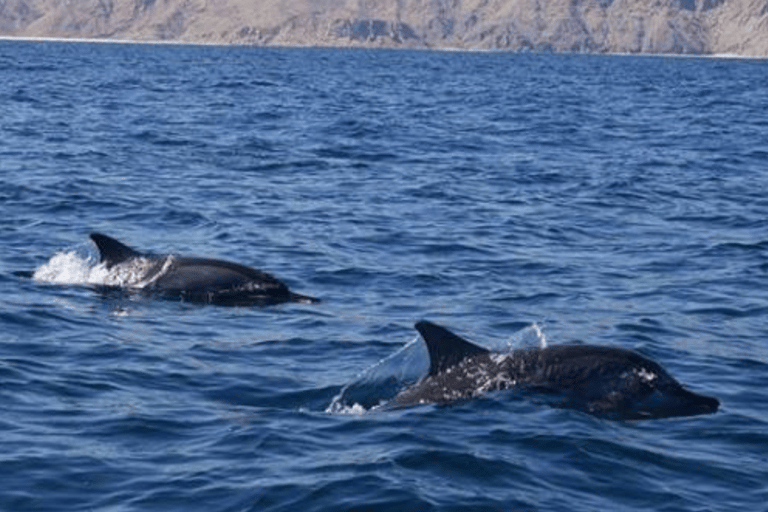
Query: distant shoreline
x,y
170,42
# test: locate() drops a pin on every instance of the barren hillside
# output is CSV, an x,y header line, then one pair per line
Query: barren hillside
x,y
626,26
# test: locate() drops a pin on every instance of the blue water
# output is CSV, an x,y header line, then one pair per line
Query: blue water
x,y
606,200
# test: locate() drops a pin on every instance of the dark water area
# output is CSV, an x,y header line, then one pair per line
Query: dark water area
x,y
579,199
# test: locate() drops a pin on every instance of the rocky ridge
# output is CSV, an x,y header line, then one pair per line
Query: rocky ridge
x,y
733,27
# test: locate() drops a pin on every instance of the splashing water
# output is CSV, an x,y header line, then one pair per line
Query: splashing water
x,y
533,335
138,273
74,267
65,268
385,379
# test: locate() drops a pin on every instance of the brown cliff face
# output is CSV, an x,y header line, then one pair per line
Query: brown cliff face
x,y
737,27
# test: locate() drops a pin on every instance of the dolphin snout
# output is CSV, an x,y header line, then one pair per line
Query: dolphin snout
x,y
690,403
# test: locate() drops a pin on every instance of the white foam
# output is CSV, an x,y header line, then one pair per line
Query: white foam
x,y
351,410
73,268
65,268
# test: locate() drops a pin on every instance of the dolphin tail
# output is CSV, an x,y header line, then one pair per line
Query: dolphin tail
x,y
112,252
445,348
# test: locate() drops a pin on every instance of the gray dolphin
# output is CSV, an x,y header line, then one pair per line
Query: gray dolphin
x,y
608,382
203,280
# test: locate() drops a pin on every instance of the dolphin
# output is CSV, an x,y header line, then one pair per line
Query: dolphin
x,y
202,280
608,382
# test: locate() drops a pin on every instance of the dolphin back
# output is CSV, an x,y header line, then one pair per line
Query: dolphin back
x,y
607,382
113,252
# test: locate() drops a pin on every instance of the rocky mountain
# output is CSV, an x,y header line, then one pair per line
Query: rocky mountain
x,y
738,27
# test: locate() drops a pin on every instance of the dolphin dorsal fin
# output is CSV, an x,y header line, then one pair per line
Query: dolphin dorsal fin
x,y
112,252
445,348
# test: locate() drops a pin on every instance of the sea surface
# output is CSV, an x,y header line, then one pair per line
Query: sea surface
x,y
513,198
